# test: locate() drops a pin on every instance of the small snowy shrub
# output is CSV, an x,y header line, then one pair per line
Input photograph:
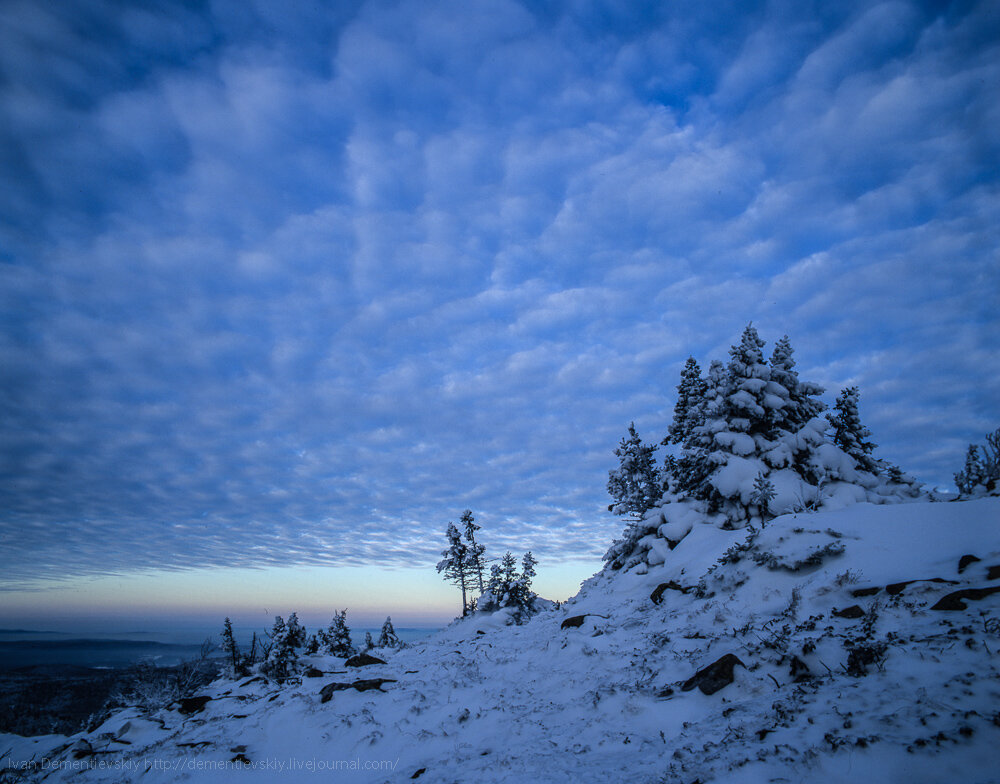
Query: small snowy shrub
x,y
981,473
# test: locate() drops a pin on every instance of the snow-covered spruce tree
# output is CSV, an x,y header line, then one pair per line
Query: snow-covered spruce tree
x,y
800,398
508,589
763,494
296,631
231,650
338,636
369,642
281,661
697,461
455,564
388,638
688,410
849,434
756,447
476,553
634,486
981,473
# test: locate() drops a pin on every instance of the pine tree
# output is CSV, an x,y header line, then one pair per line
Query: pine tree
x,y
849,434
369,642
635,486
338,636
476,554
296,631
455,564
388,638
690,393
231,649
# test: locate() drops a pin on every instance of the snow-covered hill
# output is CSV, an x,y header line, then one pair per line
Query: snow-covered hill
x,y
852,645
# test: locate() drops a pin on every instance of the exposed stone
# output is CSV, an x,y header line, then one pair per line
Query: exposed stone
x,y
363,660
850,612
857,593
367,684
190,705
954,600
419,772
314,672
894,589
573,622
715,676
993,572
657,594
965,560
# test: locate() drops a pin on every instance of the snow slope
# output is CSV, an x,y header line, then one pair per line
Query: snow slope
x,y
899,692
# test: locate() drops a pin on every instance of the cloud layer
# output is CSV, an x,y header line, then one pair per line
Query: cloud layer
x,y
299,287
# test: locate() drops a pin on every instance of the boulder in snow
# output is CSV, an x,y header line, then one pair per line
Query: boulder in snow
x,y
363,660
715,676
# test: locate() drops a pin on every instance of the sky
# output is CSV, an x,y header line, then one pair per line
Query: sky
x,y
287,287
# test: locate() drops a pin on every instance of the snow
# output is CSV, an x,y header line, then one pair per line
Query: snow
x,y
603,702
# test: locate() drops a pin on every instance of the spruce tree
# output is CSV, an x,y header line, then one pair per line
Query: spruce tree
x,y
338,636
747,407
476,554
801,403
388,638
296,631
698,459
635,486
281,658
455,564
369,642
690,393
849,434
231,649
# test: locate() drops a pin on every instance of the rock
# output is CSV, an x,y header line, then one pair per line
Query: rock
x,y
240,758
480,631
313,672
965,560
82,748
419,772
993,572
657,594
954,600
715,676
363,660
255,679
574,622
189,705
369,684
372,683
897,588
859,592
238,749
850,612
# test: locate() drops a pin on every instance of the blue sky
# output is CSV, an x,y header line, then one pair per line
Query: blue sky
x,y
292,285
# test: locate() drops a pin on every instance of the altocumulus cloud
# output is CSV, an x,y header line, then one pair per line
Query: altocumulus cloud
x,y
298,286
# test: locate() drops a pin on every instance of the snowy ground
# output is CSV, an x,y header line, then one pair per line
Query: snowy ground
x,y
902,692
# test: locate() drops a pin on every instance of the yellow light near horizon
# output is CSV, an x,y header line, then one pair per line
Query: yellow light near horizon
x,y
411,596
